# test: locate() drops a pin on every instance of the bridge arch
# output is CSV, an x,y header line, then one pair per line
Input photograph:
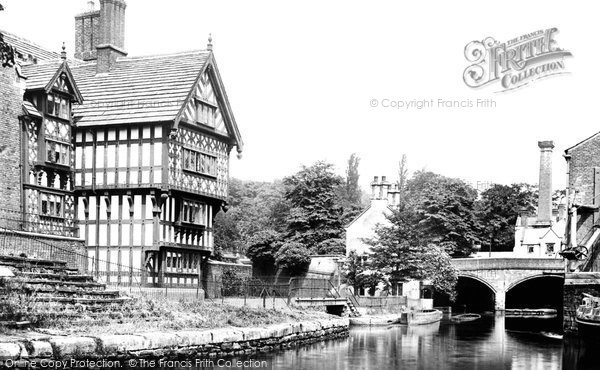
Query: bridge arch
x,y
530,277
479,279
536,290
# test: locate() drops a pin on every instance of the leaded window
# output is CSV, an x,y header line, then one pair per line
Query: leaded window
x,y
58,153
52,205
199,162
58,106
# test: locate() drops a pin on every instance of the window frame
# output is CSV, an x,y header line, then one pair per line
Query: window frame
x,y
200,162
59,110
193,212
205,113
61,145
52,204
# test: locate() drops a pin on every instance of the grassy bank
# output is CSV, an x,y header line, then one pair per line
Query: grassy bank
x,y
157,314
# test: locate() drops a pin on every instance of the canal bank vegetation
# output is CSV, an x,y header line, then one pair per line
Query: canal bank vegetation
x,y
155,314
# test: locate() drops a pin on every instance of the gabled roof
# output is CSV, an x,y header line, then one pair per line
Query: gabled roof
x,y
582,141
44,75
28,50
137,89
219,90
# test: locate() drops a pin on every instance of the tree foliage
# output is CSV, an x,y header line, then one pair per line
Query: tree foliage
x,y
292,257
315,216
446,211
497,212
263,246
401,251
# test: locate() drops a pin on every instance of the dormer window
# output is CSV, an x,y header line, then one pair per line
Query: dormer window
x,y
205,113
58,106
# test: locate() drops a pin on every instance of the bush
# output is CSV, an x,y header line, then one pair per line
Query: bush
x,y
232,283
293,257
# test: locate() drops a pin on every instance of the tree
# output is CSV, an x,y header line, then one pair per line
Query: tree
x,y
401,251
292,257
263,247
7,52
353,193
402,176
315,214
497,211
446,210
253,206
350,193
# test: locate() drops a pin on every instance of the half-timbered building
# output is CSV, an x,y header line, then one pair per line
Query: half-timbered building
x,y
129,154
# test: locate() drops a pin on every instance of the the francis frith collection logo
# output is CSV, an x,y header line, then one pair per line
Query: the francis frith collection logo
x,y
514,63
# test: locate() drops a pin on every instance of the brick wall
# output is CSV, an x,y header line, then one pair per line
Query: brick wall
x,y
10,146
584,158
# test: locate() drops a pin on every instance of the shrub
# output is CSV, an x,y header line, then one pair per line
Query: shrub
x,y
293,257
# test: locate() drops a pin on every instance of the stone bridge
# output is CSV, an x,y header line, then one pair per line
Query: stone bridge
x,y
502,274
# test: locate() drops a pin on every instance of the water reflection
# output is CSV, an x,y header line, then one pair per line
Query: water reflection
x,y
484,344
488,343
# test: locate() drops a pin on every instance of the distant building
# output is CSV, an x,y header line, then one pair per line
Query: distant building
x,y
542,235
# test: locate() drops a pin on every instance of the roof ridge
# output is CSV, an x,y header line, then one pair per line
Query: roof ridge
x,y
156,56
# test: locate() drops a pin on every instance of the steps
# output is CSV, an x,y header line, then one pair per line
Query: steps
x,y
352,307
42,289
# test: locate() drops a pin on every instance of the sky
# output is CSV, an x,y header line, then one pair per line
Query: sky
x,y
302,78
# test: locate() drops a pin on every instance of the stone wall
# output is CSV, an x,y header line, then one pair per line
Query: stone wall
x,y
575,285
183,344
69,250
11,91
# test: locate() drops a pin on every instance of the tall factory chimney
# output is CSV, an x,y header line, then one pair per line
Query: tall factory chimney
x,y
544,215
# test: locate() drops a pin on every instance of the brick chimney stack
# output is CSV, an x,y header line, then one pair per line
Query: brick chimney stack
x,y
544,215
100,34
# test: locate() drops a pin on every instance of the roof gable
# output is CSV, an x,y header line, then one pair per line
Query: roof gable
x,y
209,88
46,76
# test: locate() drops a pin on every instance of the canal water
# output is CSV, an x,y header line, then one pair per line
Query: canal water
x,y
488,343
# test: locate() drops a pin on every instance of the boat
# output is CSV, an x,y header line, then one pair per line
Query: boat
x,y
587,315
531,313
375,320
551,335
465,317
421,317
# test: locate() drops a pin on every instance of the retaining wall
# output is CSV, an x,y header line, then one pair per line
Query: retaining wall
x,y
575,285
188,344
